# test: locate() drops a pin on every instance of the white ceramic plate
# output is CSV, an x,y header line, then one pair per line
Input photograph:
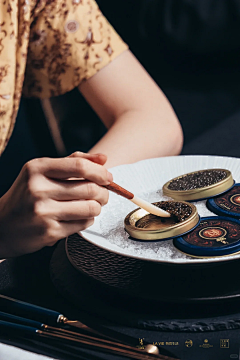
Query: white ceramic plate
x,y
145,179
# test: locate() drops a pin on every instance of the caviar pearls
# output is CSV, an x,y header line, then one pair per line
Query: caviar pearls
x,y
179,212
197,180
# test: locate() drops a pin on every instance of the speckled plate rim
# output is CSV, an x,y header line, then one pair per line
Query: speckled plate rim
x,y
175,165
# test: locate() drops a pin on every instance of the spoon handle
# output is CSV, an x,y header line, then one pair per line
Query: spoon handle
x,y
119,190
152,209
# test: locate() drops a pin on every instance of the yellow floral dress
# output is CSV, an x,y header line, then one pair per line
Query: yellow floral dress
x,y
48,47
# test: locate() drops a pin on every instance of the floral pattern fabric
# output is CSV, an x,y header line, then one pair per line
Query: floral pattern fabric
x,y
48,47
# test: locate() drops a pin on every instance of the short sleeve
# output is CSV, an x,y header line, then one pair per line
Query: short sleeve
x,y
69,42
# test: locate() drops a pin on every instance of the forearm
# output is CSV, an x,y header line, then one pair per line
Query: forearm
x,y
138,135
140,120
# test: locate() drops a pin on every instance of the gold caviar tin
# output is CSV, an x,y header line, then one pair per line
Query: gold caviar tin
x,y
198,193
144,226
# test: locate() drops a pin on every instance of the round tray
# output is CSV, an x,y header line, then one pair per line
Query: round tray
x,y
152,280
217,310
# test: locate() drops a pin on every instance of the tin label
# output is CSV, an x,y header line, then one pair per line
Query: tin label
x,y
214,233
229,201
235,199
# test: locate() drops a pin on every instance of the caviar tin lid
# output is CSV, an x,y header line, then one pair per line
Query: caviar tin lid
x,y
199,185
214,236
227,204
144,226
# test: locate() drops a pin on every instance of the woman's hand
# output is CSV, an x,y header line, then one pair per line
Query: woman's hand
x,y
51,199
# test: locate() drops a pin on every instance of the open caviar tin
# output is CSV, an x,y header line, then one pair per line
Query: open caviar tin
x,y
227,204
214,236
144,226
199,185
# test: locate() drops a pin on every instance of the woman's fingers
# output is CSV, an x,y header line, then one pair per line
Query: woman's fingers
x,y
77,210
71,227
58,230
70,167
44,205
67,210
77,189
42,188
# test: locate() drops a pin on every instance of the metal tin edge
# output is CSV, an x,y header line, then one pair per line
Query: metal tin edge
x,y
200,193
204,252
163,234
212,206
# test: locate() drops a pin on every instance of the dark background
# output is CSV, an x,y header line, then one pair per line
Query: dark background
x,y
191,49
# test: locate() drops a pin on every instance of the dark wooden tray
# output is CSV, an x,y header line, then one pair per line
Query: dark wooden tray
x,y
181,304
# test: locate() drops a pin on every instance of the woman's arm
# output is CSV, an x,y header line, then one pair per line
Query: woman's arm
x,y
141,122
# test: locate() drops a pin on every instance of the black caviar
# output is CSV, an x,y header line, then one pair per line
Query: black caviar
x,y
179,212
197,180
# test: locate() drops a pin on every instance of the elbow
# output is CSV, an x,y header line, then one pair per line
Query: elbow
x,y
177,139
170,129
172,136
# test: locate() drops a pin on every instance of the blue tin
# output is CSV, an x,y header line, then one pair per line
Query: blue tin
x,y
227,204
214,236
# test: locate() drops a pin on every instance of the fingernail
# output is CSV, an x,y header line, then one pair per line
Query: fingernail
x,y
110,177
